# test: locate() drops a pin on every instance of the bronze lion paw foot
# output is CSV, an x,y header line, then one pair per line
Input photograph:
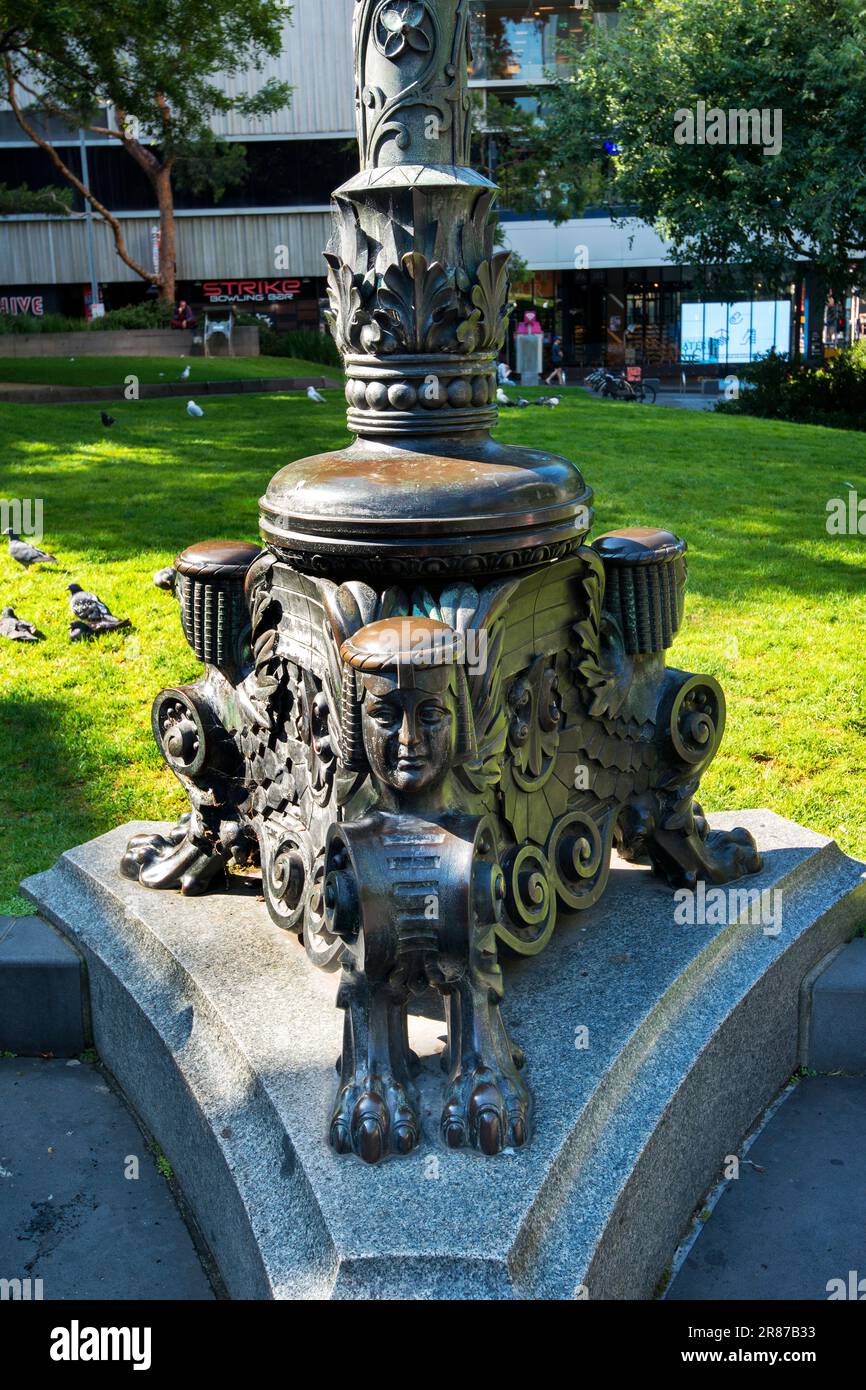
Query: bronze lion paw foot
x,y
485,1111
173,860
373,1118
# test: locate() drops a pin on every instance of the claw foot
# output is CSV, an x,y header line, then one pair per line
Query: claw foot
x,y
373,1118
487,1112
171,861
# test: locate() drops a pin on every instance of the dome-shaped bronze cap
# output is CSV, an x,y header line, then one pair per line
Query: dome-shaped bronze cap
x,y
217,559
639,545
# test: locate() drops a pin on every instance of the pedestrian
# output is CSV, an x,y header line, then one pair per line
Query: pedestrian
x,y
503,373
556,359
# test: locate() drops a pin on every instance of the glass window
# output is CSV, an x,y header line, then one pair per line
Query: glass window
x,y
737,332
516,40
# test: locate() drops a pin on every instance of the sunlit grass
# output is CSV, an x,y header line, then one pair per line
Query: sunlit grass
x,y
113,371
776,607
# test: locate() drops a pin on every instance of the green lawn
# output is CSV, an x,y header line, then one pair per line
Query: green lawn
x,y
776,608
112,371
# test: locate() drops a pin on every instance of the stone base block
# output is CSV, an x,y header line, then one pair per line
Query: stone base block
x,y
652,1046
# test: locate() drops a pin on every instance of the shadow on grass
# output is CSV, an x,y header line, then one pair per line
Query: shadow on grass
x,y
45,796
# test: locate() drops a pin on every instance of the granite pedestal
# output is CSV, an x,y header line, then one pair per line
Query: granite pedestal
x,y
652,1047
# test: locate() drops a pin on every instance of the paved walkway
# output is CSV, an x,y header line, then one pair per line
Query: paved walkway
x,y
71,1217
71,1213
795,1219
682,400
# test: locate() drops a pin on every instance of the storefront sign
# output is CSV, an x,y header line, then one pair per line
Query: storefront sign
x,y
250,291
22,304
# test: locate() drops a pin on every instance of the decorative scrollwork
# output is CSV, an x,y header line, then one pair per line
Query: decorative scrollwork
x,y
323,944
530,901
179,729
697,719
284,877
579,854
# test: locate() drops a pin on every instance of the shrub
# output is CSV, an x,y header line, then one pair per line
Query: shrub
x,y
779,389
151,314
306,343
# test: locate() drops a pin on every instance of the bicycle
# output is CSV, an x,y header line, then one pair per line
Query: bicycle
x,y
617,388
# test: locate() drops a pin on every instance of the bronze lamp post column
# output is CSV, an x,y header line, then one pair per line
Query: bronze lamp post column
x,y
429,709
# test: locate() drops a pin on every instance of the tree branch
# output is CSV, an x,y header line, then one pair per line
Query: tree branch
x,y
101,211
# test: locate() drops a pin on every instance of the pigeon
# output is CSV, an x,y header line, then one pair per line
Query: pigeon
x,y
501,396
521,403
88,607
16,629
25,554
550,401
80,631
313,395
184,376
165,579
194,410
107,420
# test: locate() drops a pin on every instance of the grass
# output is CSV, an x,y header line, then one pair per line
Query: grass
x,y
112,371
776,607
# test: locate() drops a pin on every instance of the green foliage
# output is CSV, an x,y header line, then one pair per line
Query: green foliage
x,y
57,201
832,395
151,371
723,203
153,313
159,63
515,147
307,343
211,166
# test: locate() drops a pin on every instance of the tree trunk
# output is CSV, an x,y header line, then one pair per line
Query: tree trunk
x,y
168,234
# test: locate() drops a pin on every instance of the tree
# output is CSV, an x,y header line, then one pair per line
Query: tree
x,y
512,146
25,199
147,74
628,95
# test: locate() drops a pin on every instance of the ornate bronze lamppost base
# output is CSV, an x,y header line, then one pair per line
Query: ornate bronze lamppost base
x,y
430,708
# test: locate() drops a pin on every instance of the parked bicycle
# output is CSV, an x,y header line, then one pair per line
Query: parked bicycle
x,y
618,388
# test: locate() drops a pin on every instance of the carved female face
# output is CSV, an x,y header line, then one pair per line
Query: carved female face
x,y
409,734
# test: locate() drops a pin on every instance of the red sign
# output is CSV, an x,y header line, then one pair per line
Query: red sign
x,y
250,291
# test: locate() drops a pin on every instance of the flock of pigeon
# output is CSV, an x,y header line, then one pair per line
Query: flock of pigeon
x,y
90,616
194,410
548,402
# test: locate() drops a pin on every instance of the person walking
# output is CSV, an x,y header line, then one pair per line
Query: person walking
x,y
556,359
